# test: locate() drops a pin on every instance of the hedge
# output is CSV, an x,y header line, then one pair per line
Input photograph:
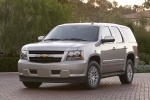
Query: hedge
x,y
8,64
142,68
144,57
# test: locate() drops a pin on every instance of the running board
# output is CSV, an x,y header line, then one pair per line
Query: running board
x,y
112,74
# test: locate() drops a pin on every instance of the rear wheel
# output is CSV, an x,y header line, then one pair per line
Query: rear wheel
x,y
32,84
129,73
93,76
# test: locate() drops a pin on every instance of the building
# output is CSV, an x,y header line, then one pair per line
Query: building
x,y
140,17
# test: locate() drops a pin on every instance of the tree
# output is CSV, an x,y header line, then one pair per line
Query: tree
x,y
115,4
146,4
135,7
22,21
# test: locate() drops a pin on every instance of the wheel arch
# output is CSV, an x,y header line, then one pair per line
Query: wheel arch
x,y
131,56
96,58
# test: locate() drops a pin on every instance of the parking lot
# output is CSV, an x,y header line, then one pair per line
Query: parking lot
x,y
110,89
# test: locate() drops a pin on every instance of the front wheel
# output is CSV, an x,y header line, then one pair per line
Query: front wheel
x,y
93,76
32,84
129,73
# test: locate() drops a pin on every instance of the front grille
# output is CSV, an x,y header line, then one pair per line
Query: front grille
x,y
45,60
46,52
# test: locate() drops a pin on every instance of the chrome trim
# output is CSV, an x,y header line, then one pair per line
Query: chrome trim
x,y
112,61
49,55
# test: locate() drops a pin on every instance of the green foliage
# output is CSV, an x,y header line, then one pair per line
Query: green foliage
x,y
143,69
103,11
22,21
146,4
8,64
141,63
144,57
143,39
88,12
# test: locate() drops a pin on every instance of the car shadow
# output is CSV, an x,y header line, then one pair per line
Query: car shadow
x,y
62,87
78,87
58,87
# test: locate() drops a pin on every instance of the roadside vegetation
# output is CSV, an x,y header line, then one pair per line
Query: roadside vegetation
x,y
22,21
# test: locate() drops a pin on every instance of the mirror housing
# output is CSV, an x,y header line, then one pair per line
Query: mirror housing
x,y
40,38
108,39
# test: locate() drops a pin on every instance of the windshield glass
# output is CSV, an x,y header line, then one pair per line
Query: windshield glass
x,y
73,33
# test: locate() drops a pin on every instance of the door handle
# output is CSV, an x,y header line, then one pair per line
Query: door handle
x,y
114,48
125,47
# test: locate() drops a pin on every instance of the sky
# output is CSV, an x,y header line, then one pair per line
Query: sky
x,y
128,2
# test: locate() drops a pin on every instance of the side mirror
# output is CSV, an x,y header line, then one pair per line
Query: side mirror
x,y
108,39
40,38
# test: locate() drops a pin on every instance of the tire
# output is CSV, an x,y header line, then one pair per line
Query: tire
x,y
32,84
129,73
92,80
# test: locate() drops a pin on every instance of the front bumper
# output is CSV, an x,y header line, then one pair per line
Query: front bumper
x,y
52,80
51,72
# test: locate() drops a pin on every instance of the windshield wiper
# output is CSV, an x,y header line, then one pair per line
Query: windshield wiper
x,y
54,39
75,39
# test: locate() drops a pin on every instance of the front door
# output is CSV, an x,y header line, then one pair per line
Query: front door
x,y
108,52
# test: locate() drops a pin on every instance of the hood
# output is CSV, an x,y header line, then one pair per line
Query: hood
x,y
55,45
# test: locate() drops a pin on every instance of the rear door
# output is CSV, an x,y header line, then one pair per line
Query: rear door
x,y
120,48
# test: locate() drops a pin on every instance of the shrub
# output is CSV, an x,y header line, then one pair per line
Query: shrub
x,y
143,39
143,69
8,64
141,63
144,57
22,21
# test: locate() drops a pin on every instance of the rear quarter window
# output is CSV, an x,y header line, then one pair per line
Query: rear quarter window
x,y
128,34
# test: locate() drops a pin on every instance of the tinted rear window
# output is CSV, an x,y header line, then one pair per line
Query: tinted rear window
x,y
129,35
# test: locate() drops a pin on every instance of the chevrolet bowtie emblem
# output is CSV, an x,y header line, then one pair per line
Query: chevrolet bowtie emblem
x,y
44,55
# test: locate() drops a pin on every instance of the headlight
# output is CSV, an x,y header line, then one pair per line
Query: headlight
x,y
75,55
23,55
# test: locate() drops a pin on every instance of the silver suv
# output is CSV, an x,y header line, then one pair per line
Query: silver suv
x,y
80,52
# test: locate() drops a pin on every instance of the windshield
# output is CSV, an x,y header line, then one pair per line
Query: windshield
x,y
73,33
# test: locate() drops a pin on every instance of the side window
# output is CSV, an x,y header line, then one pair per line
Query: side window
x,y
105,32
128,34
117,34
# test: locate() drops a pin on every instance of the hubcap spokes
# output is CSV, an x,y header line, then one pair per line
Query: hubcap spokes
x,y
130,72
93,76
